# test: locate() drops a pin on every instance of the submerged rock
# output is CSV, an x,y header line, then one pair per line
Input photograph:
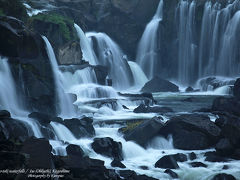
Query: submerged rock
x,y
108,147
171,173
159,85
198,164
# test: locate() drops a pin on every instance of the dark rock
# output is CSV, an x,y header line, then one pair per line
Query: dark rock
x,y
198,164
144,167
131,175
225,104
14,129
101,74
155,109
214,157
223,176
191,131
230,127
39,151
180,157
236,89
236,154
167,162
108,147
225,167
4,114
192,156
188,99
117,163
159,85
125,107
224,147
189,89
80,127
171,173
29,63
74,150
41,117
144,132
84,168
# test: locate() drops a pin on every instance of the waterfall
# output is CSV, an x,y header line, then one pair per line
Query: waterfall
x,y
220,42
83,76
87,51
147,56
138,75
9,100
186,41
110,55
66,108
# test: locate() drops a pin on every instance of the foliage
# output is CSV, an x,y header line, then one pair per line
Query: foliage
x,y
64,23
131,125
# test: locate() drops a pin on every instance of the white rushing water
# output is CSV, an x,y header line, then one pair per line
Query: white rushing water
x,y
88,53
11,101
109,54
147,56
187,47
66,108
139,76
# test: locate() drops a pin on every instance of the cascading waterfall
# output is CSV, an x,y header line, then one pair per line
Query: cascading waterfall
x,y
139,77
11,102
187,47
219,43
110,55
147,56
66,108
87,51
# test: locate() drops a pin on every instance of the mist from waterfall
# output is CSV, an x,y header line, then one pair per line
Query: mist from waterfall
x,y
147,52
64,101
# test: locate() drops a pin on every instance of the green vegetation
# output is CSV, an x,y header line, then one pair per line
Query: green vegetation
x,y
131,125
1,12
64,23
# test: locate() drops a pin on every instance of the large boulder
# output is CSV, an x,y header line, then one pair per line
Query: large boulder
x,y
223,176
224,147
236,89
159,85
131,175
144,132
227,104
80,127
74,150
108,147
191,131
39,151
167,162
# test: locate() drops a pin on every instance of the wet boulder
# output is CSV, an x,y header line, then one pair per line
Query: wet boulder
x,y
198,164
80,127
236,89
117,163
131,175
41,117
223,176
227,104
74,150
189,89
4,114
171,173
191,131
167,162
224,147
154,109
145,131
108,147
39,151
159,85
215,157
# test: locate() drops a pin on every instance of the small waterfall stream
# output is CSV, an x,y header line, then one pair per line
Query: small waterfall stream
x,y
66,108
147,56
